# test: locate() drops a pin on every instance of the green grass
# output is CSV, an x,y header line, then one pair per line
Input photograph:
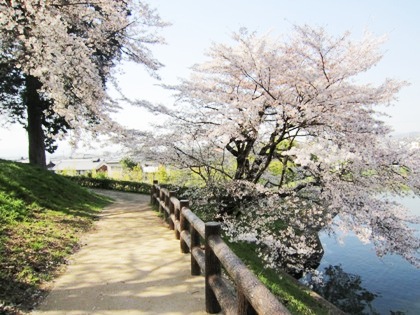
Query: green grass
x,y
297,298
42,216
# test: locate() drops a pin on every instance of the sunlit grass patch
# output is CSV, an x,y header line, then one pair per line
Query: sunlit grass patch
x,y
42,216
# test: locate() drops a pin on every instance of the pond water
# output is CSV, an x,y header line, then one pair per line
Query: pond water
x,y
362,283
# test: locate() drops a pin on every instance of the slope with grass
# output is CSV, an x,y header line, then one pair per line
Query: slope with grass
x,y
299,299
42,216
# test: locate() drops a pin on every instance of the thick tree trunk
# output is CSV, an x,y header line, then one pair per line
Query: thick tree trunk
x,y
36,135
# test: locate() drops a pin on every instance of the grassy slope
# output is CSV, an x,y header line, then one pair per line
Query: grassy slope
x,y
298,299
41,217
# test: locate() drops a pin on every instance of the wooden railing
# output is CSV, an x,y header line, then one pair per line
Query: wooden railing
x,y
250,296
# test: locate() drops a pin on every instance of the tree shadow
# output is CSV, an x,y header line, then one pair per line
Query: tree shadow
x,y
155,290
17,296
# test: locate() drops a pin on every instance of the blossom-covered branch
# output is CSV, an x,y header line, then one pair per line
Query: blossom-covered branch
x,y
59,55
301,137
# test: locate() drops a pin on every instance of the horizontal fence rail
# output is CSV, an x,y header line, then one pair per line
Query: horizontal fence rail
x,y
209,253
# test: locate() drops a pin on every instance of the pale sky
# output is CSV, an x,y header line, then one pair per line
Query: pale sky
x,y
197,23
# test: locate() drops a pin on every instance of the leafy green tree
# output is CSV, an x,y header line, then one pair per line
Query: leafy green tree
x,y
128,164
162,174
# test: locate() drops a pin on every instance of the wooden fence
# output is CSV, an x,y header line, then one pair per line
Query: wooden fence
x,y
208,254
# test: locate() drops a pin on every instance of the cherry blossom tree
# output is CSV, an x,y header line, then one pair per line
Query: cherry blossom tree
x,y
56,57
296,142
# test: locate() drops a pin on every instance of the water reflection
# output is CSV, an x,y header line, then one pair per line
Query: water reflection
x,y
395,281
345,291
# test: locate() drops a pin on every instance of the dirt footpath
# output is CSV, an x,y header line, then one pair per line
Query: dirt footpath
x,y
130,264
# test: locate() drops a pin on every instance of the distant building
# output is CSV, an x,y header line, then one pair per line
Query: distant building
x,y
149,168
115,169
112,168
80,166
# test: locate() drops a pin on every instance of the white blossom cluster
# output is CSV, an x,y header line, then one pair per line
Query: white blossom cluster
x,y
60,42
289,118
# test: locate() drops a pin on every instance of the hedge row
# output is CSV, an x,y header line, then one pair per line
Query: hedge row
x,y
111,184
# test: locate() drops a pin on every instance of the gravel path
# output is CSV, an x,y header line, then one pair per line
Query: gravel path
x,y
130,264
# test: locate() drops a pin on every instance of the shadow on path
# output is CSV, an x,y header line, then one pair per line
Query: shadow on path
x,y
130,264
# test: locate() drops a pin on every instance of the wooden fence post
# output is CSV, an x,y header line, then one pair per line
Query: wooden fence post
x,y
244,307
171,210
165,202
177,211
161,196
195,242
153,192
183,225
213,268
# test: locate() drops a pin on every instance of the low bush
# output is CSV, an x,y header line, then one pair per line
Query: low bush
x,y
111,184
